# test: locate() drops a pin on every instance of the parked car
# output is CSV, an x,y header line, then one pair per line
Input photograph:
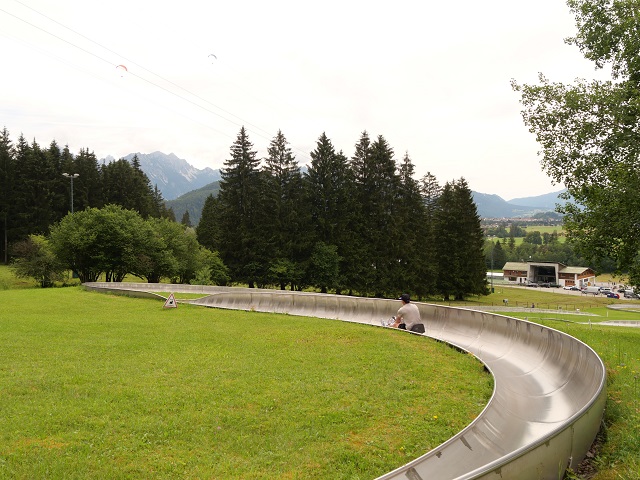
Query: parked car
x,y
594,290
532,284
545,285
554,285
604,290
612,295
571,287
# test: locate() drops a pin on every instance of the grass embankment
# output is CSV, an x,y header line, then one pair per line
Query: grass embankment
x,y
101,386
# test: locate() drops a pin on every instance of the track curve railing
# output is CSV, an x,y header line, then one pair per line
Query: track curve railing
x,y
549,391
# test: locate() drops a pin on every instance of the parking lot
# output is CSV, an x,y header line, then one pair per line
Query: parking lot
x,y
567,292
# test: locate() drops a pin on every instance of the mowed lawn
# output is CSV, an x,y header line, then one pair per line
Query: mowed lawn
x,y
101,386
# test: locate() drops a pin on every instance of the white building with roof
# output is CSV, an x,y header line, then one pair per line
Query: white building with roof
x,y
548,272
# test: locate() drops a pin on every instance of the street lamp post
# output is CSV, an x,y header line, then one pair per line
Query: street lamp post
x,y
71,176
492,247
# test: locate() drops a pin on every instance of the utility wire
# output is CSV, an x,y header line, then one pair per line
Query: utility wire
x,y
255,129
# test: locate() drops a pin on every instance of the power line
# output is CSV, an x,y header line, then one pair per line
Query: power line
x,y
256,130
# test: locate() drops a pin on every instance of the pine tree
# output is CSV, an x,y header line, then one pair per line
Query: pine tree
x,y
207,231
415,252
283,222
159,206
186,219
59,200
377,186
118,184
499,256
143,195
125,184
446,242
242,245
329,201
431,191
7,183
88,186
459,244
29,173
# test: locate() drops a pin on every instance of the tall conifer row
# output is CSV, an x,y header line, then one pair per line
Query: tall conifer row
x,y
7,182
242,246
35,195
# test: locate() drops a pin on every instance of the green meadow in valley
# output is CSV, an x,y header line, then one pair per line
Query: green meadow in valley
x,y
101,386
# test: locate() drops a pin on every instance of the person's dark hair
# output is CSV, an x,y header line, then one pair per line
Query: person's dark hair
x,y
405,298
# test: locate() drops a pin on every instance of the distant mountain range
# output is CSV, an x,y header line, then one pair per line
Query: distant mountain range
x,y
186,187
173,176
493,206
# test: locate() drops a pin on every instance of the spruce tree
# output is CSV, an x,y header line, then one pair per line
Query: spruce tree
x,y
430,191
186,219
446,242
208,231
7,184
242,245
142,193
33,178
283,222
88,186
59,202
329,201
124,183
459,244
377,186
415,251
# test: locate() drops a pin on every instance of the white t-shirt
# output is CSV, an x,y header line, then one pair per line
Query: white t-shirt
x,y
409,314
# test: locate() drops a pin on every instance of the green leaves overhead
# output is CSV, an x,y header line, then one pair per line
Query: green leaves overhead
x,y
589,133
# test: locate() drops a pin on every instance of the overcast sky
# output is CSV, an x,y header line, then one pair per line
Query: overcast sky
x,y
432,77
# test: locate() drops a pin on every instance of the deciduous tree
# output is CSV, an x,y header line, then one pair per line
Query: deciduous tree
x,y
589,133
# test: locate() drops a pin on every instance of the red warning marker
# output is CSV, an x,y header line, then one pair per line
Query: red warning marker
x,y
171,302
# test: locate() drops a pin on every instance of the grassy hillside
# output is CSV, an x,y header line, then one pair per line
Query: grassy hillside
x,y
193,202
99,386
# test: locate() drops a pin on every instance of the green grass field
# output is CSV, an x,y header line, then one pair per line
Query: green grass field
x,y
543,229
101,386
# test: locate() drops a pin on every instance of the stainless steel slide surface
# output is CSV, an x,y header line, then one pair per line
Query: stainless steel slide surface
x,y
549,393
